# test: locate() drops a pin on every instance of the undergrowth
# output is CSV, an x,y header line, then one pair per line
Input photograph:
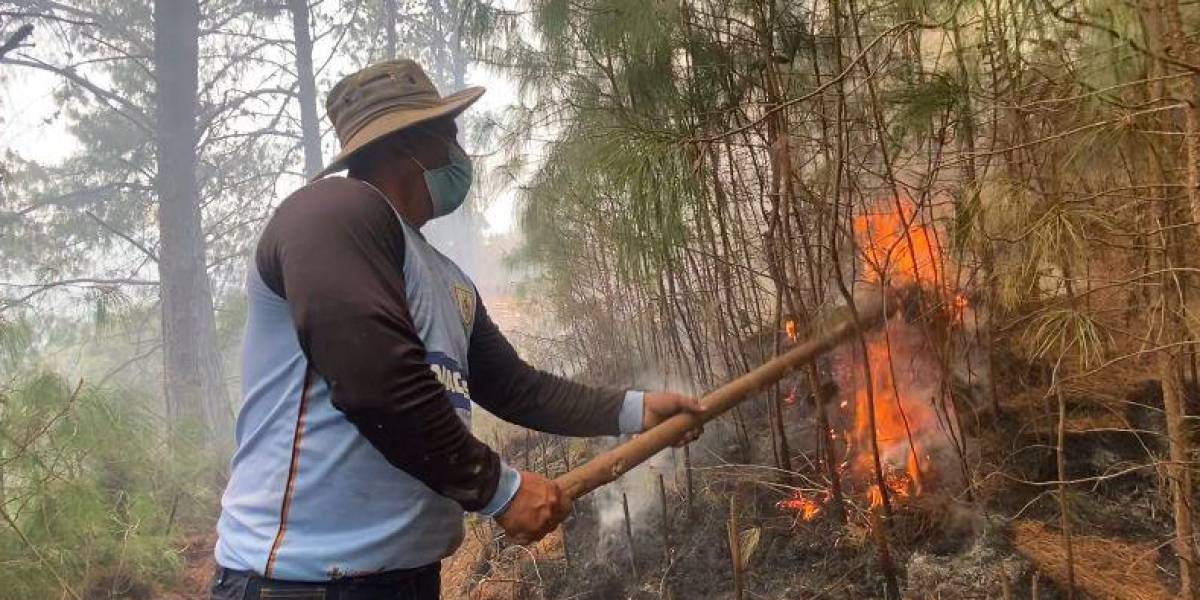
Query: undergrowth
x,y
95,497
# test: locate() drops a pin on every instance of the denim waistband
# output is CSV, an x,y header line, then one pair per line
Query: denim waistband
x,y
381,578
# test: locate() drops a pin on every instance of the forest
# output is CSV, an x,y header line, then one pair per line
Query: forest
x,y
668,194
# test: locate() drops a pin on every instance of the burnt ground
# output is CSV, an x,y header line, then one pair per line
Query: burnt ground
x,y
997,538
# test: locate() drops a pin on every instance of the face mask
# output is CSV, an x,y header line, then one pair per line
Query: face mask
x,y
448,185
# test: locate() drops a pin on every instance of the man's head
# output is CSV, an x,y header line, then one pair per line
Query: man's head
x,y
398,163
398,133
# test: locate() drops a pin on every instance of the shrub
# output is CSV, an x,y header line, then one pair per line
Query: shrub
x,y
90,492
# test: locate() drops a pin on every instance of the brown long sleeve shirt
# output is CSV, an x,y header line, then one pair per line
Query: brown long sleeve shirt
x,y
335,252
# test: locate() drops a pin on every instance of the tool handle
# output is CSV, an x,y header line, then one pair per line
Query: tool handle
x,y
611,464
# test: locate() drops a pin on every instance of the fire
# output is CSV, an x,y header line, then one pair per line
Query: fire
x,y
897,418
790,328
897,249
900,485
959,309
808,508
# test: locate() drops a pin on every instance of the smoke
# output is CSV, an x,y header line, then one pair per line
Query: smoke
x,y
639,487
969,366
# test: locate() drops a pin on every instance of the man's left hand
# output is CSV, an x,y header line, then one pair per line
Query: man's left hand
x,y
658,406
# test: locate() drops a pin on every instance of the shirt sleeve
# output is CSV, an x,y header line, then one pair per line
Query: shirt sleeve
x,y
511,389
506,490
335,252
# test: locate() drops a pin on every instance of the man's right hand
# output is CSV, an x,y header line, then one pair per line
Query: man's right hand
x,y
537,509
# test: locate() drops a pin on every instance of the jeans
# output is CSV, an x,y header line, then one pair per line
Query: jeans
x,y
423,583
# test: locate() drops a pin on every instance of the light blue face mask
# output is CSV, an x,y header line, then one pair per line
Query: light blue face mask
x,y
448,185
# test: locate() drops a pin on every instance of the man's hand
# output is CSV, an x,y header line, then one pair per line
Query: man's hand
x,y
658,406
537,509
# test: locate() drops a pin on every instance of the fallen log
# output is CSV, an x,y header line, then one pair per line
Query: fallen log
x,y
825,335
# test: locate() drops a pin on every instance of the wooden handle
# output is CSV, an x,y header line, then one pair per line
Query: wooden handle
x,y
610,465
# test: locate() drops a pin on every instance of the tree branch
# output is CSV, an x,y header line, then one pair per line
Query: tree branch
x,y
15,39
131,111
136,244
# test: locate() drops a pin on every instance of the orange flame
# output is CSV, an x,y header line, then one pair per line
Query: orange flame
x,y
808,508
959,309
900,485
897,249
897,419
790,328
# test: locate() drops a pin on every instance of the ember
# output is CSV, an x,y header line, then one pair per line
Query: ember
x,y
807,508
900,485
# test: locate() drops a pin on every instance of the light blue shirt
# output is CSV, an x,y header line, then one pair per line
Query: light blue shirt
x,y
309,498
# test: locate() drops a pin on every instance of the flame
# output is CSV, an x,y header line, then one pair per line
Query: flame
x,y
807,508
790,328
900,485
897,249
959,309
896,417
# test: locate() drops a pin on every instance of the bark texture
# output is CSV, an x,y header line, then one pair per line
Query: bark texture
x,y
196,399
310,123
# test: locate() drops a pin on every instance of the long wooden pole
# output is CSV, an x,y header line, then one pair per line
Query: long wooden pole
x,y
610,465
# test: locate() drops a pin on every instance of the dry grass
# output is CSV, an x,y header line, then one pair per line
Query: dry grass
x,y
1093,422
503,580
458,568
198,569
1104,568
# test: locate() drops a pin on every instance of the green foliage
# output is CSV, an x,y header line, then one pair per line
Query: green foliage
x,y
15,340
86,484
922,103
620,170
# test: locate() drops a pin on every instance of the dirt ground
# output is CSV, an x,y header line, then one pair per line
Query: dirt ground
x,y
460,576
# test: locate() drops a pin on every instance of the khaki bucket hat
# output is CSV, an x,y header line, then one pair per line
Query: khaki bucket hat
x,y
382,99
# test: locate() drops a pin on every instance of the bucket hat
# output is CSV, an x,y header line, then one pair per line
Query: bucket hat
x,y
382,99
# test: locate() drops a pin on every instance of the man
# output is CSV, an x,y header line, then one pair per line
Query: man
x,y
364,350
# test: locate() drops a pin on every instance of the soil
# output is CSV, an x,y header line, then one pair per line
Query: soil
x,y
997,538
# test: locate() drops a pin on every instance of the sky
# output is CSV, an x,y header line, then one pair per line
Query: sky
x,y
30,127
501,93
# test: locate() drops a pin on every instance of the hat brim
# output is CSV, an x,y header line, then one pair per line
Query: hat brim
x,y
390,123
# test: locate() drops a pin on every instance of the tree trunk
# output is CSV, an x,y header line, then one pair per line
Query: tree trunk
x,y
1178,471
389,10
1064,503
1170,371
458,50
193,379
310,124
1173,292
1177,47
